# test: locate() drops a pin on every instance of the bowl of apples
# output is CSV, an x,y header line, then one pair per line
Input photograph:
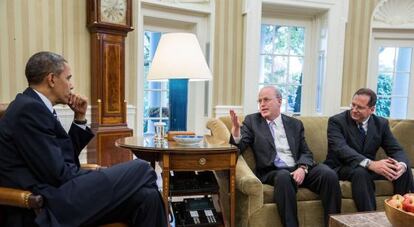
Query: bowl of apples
x,y
400,209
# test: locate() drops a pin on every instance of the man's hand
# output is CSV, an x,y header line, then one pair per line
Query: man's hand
x,y
298,175
79,105
388,168
235,129
399,168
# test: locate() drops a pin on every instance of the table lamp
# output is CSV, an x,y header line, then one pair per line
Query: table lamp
x,y
178,58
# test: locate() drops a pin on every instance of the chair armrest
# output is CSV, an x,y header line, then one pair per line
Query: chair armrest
x,y
20,198
246,181
91,166
249,187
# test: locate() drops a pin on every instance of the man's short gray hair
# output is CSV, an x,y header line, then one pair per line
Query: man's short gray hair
x,y
275,89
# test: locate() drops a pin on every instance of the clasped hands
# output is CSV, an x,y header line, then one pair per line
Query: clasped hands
x,y
389,168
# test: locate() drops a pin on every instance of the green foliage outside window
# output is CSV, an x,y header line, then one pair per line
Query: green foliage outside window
x,y
384,90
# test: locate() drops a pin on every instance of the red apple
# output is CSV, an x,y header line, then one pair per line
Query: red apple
x,y
408,203
396,201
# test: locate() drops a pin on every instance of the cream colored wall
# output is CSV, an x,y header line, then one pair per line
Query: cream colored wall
x,y
356,47
59,26
228,51
27,27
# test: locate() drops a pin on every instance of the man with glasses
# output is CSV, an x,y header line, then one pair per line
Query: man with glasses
x,y
354,137
283,158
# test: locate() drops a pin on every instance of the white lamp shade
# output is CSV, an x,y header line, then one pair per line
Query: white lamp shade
x,y
179,56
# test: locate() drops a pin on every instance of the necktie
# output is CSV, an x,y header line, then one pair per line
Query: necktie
x,y
277,162
362,133
54,114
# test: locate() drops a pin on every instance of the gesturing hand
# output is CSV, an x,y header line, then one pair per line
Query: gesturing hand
x,y
235,129
79,105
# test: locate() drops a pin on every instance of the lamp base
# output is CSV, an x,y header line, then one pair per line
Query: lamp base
x,y
178,96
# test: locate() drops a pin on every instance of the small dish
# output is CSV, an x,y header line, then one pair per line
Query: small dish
x,y
187,139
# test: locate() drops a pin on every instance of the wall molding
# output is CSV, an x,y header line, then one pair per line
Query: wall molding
x,y
394,14
222,110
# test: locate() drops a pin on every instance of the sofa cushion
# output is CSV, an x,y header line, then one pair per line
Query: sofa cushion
x,y
402,131
315,135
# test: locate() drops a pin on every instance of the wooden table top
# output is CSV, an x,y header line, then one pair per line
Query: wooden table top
x,y
147,144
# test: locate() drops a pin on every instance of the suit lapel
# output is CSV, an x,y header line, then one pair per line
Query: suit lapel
x,y
370,134
355,134
290,135
264,127
30,92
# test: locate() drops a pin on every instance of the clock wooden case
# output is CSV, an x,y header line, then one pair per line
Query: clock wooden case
x,y
109,22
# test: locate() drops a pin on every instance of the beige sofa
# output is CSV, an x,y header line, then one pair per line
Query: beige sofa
x,y
254,200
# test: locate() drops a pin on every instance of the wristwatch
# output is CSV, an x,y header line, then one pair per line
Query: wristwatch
x,y
80,122
365,163
305,168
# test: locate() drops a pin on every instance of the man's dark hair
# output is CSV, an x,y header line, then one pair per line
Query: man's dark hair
x,y
41,64
370,93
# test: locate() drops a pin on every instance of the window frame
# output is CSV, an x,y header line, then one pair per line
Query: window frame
x,y
391,38
161,17
308,104
323,15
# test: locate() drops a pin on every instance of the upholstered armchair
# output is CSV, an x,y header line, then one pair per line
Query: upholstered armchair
x,y
26,199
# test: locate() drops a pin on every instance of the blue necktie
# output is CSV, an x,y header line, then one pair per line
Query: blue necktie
x,y
362,133
277,162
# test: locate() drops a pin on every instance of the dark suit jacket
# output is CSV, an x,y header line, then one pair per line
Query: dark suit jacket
x,y
37,154
346,148
256,133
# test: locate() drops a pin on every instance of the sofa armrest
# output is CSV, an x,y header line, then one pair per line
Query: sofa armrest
x,y
20,198
248,184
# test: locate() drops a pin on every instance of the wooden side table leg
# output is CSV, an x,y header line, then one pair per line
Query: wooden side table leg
x,y
165,181
232,189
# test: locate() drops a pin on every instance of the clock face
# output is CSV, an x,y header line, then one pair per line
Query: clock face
x,y
114,11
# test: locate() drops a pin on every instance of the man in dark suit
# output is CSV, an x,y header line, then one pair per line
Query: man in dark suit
x,y
37,154
283,158
354,137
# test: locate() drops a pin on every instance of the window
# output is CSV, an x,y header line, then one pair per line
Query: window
x,y
282,54
391,74
313,75
155,93
394,70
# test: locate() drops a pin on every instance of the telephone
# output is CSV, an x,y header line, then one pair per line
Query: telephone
x,y
188,182
196,212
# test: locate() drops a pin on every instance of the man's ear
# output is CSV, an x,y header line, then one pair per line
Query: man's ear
x,y
50,79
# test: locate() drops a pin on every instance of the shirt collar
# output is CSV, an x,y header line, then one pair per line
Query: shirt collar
x,y
277,121
45,100
365,123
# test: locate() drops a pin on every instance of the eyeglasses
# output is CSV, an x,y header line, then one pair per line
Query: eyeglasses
x,y
264,100
358,108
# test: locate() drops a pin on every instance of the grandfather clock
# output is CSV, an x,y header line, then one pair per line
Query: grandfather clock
x,y
108,21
